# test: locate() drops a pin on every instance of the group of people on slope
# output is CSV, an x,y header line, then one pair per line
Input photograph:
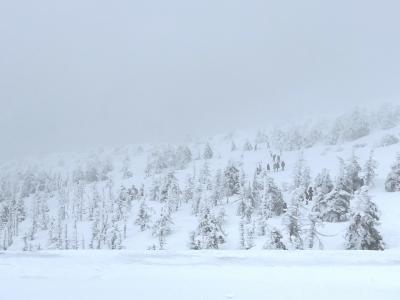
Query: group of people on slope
x,y
277,164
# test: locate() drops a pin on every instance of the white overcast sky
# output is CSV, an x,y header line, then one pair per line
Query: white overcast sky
x,y
76,73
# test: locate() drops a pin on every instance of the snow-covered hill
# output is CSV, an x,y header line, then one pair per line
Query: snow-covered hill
x,y
216,193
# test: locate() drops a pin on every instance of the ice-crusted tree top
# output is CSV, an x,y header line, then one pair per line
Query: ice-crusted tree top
x,y
362,233
392,183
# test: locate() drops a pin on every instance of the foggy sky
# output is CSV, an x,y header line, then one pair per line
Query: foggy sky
x,y
77,73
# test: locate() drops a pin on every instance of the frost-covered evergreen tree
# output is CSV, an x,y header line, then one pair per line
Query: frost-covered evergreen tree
x,y
247,234
92,172
352,174
301,173
274,240
144,216
114,237
246,205
209,233
233,146
323,185
188,191
197,199
170,192
392,183
258,186
362,233
312,236
273,198
162,228
183,157
217,188
154,190
208,152
247,146
75,243
334,207
205,177
126,172
271,204
293,219
231,180
369,171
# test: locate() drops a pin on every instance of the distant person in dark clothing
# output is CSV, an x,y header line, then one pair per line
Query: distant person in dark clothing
x,y
283,165
310,193
268,168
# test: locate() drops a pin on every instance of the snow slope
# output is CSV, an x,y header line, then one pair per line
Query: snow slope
x,y
199,275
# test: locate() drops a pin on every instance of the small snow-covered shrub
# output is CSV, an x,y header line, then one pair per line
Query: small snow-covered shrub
x,y
388,140
274,240
392,183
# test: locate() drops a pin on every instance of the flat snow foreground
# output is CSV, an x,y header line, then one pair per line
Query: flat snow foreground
x,y
199,275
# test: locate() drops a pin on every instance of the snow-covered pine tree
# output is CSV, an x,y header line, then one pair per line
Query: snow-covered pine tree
x,y
208,152
323,185
123,203
392,183
362,233
294,219
274,240
209,233
258,186
231,180
126,172
217,188
273,196
334,207
352,173
143,217
233,146
52,232
115,237
162,227
311,233
301,173
170,192
369,170
183,157
205,176
246,205
247,146
92,172
247,233
197,199
154,190
75,243
188,191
